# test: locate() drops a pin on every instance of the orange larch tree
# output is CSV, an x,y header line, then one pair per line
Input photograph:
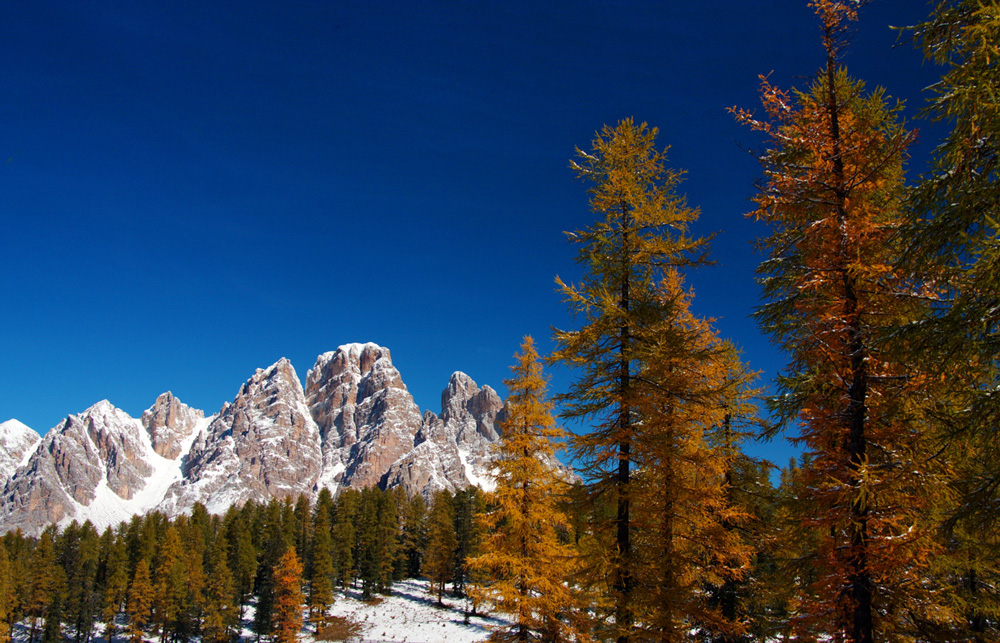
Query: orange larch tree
x,y
288,598
832,194
524,565
641,231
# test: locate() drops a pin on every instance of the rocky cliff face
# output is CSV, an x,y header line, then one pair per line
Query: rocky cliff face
x,y
354,424
366,416
452,451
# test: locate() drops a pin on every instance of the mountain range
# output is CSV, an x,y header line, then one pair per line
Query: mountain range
x,y
353,424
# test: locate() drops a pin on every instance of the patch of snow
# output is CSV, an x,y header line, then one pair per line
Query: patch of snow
x,y
484,481
410,614
15,436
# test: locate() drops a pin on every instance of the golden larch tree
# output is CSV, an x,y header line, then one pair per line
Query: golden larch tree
x,y
139,607
641,230
685,522
524,565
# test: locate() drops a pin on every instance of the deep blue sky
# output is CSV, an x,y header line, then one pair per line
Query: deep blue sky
x,y
192,190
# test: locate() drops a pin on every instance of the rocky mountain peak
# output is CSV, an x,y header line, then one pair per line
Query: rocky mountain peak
x,y
365,414
470,411
99,451
339,380
354,424
263,445
169,423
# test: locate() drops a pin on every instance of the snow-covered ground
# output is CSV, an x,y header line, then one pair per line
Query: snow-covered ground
x,y
409,615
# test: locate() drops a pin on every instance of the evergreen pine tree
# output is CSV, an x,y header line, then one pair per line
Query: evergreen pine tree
x,y
469,503
321,571
414,535
242,555
274,548
221,612
114,579
344,537
439,557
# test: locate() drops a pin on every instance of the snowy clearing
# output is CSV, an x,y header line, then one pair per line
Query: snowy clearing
x,y
409,615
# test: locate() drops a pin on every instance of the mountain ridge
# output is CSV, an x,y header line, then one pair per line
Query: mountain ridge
x,y
353,423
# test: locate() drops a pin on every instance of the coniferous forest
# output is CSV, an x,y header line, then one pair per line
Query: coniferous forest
x,y
883,291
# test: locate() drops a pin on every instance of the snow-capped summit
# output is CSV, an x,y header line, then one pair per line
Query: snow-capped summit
x,y
94,465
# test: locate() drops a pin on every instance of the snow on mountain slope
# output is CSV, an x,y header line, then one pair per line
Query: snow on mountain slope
x,y
99,466
17,443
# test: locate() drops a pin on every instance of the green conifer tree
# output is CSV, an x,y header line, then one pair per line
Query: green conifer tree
x,y
221,611
114,579
321,571
439,557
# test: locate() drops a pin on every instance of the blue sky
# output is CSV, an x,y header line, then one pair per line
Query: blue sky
x,y
192,190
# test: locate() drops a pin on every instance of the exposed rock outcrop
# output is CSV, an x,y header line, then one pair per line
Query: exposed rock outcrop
x,y
366,416
101,451
170,423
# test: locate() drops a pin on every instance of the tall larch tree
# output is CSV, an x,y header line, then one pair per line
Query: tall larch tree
x,y
832,195
7,594
288,599
171,584
642,229
45,583
686,537
524,565
139,608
